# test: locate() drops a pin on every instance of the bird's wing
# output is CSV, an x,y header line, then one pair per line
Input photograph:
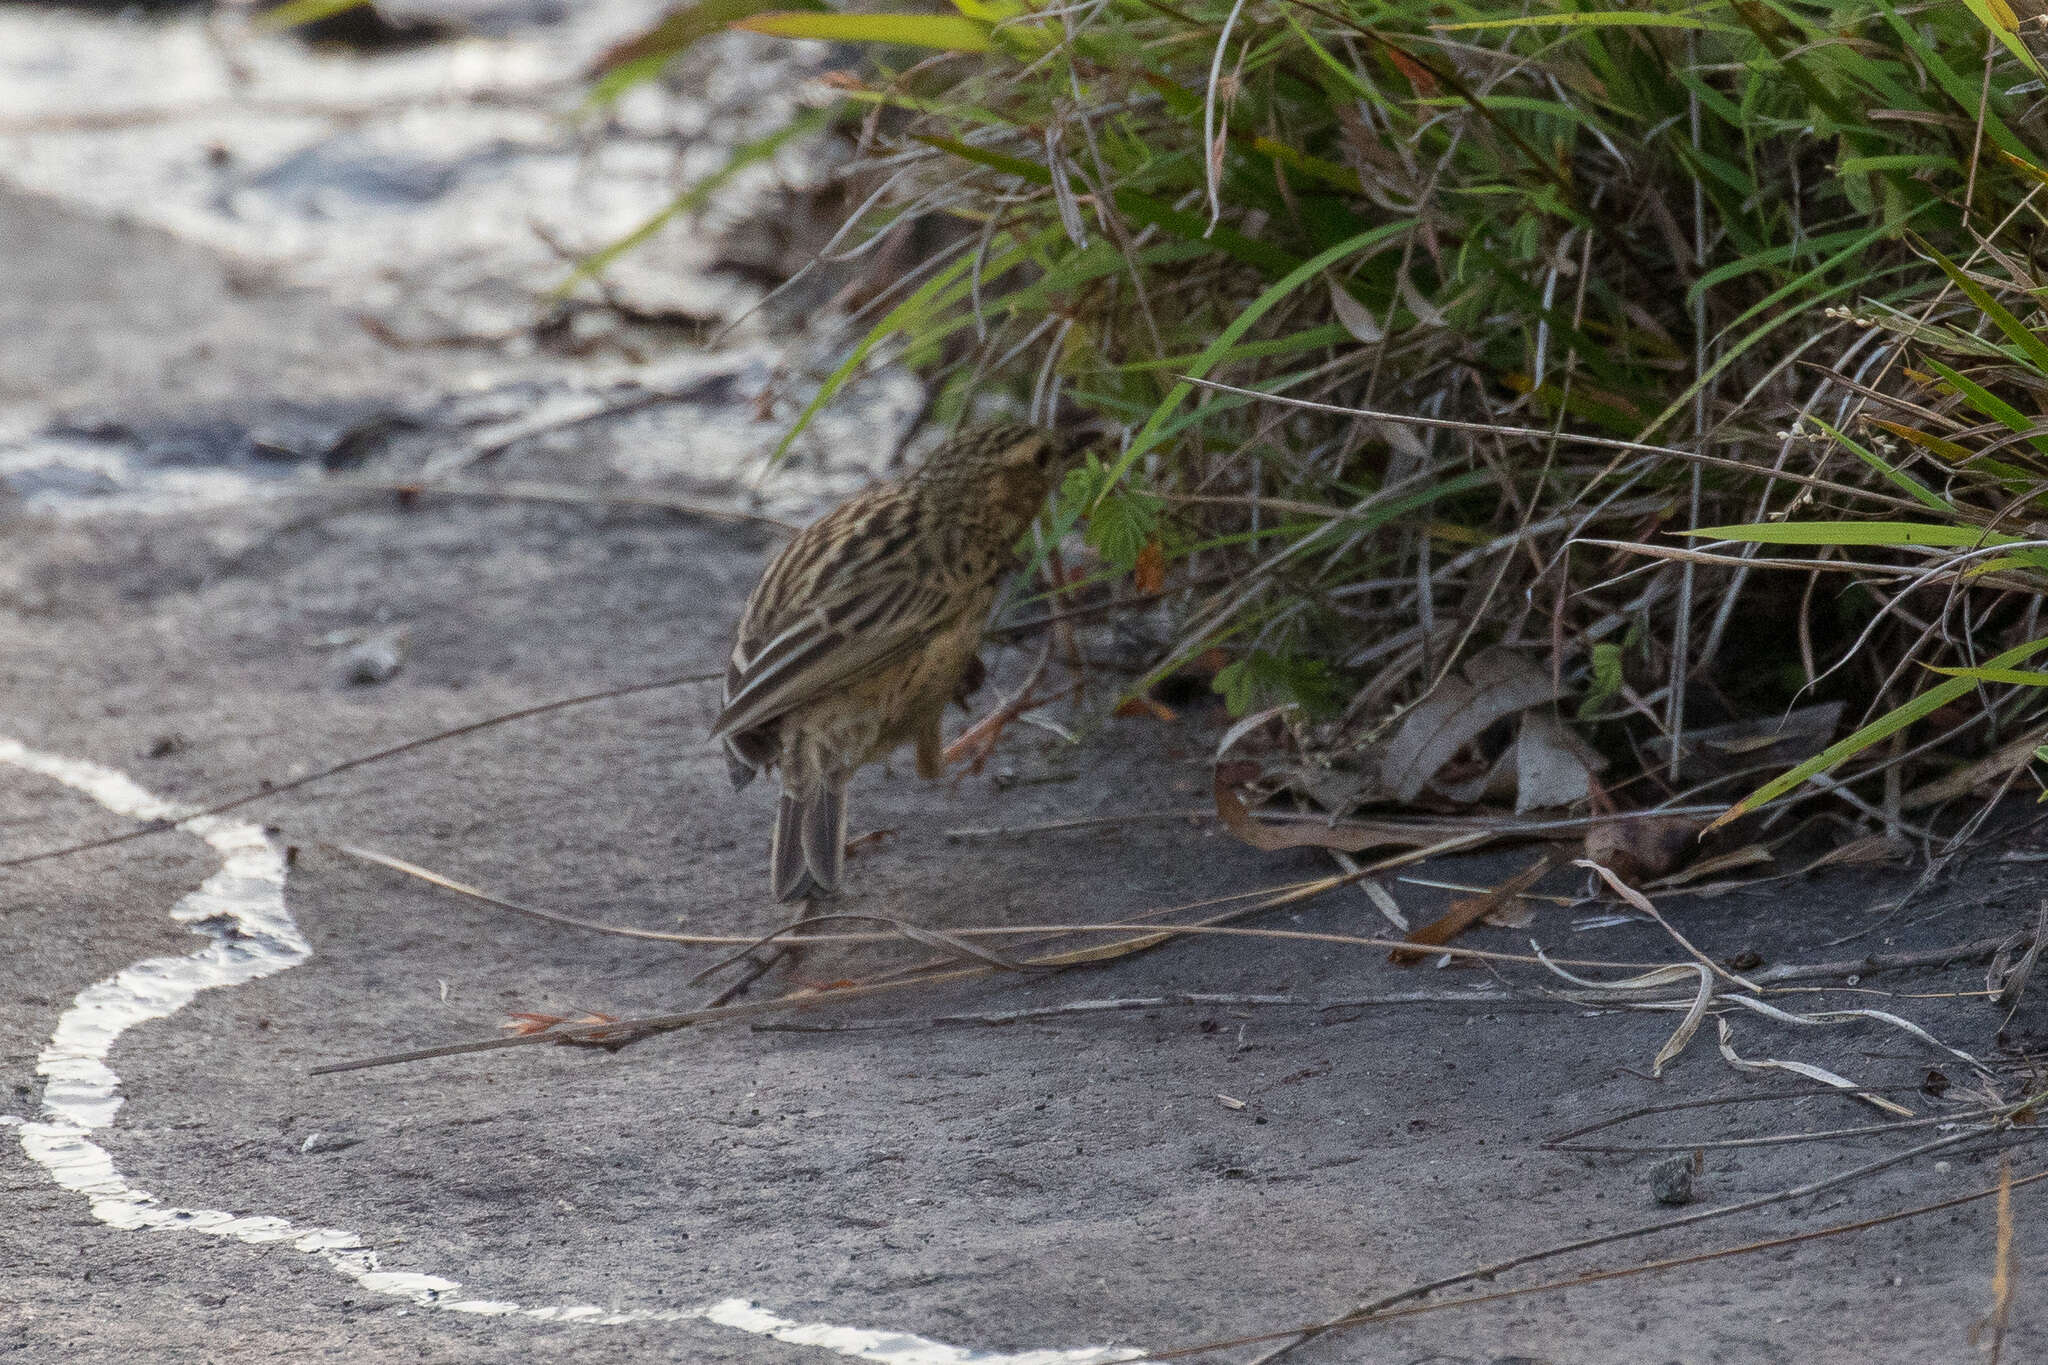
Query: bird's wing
x,y
831,644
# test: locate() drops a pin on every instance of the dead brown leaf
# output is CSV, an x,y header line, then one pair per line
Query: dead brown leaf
x,y
1495,683
1516,914
522,1022
1463,914
2014,963
1871,848
1971,776
1142,705
1353,836
1419,76
1749,855
1148,575
1553,767
874,838
1643,848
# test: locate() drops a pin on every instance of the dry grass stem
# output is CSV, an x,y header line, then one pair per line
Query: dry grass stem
x,y
271,789
1294,1337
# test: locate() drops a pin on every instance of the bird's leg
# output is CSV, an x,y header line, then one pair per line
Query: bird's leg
x,y
972,676
759,964
765,959
979,741
931,747
792,954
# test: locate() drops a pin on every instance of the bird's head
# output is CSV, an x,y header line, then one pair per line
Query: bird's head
x,y
1019,465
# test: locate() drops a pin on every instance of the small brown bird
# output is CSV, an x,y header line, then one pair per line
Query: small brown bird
x,y
861,630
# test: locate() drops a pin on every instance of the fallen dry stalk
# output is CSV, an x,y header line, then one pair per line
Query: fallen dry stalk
x,y
433,878
1180,999
978,742
1134,935
2001,1262
1418,830
1135,928
1298,1336
1784,1139
526,491
1377,1308
270,789
1710,1102
1465,913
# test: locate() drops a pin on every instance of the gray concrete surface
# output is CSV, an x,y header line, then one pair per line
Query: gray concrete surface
x,y
1074,1182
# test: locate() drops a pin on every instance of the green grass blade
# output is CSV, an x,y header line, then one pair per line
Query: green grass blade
x,y
2028,340
2017,677
295,12
945,32
1988,403
1219,350
1914,489
1855,533
1883,728
944,287
699,194
641,58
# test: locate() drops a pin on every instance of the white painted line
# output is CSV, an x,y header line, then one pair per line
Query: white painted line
x,y
250,934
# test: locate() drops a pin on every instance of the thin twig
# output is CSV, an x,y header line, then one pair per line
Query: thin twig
x,y
2001,1261
1877,962
757,969
1141,817
1780,1139
1194,999
702,390
1712,1102
900,931
978,742
523,491
1134,937
1377,1308
1591,1277
1138,924
433,878
270,789
1870,496
1421,828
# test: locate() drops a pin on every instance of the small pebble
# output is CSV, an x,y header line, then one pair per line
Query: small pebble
x,y
1673,1181
375,660
327,1142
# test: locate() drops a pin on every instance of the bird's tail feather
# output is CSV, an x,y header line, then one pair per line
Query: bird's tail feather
x,y
809,850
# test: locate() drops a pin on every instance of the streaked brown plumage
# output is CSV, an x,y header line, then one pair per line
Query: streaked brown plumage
x,y
859,632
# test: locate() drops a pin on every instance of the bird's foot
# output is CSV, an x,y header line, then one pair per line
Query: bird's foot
x,y
757,965
977,744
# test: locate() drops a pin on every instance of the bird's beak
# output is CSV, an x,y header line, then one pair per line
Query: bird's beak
x,y
1081,434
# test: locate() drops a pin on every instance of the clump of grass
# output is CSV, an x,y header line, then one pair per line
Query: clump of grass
x,y
1959,570
1647,239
